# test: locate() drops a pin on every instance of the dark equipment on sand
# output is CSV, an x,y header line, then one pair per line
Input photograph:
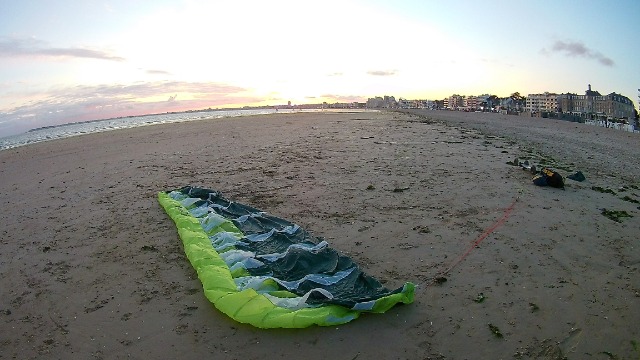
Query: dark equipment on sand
x,y
548,177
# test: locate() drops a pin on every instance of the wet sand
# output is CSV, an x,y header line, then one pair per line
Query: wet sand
x,y
92,267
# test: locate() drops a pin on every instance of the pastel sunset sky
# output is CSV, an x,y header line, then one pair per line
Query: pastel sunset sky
x,y
66,61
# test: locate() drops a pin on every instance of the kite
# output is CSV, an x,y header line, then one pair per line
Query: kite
x,y
268,272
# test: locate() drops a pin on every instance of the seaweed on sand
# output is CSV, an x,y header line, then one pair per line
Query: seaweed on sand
x,y
616,215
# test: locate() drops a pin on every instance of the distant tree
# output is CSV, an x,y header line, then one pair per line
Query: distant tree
x,y
516,96
492,101
518,100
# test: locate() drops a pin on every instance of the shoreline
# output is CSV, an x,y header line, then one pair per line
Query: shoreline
x,y
55,132
92,266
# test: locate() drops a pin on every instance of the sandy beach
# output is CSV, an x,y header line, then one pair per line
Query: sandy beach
x,y
92,267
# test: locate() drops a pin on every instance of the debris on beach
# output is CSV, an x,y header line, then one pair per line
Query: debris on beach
x,y
549,177
616,215
422,229
400,189
480,298
603,190
516,162
440,280
525,165
546,176
630,199
577,176
495,331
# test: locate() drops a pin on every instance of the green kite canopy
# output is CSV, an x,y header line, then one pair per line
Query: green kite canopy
x,y
268,272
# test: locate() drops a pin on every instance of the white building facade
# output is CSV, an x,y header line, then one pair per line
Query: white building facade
x,y
546,102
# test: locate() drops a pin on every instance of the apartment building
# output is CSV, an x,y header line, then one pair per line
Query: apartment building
x,y
594,105
455,102
615,105
388,102
466,102
546,102
470,102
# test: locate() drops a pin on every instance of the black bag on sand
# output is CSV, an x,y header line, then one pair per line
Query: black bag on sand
x,y
553,178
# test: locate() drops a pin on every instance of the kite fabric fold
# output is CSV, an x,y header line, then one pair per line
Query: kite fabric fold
x,y
268,272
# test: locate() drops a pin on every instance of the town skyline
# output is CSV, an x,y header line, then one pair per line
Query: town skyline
x,y
500,102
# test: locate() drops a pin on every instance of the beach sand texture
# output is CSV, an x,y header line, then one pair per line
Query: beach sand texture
x,y
92,267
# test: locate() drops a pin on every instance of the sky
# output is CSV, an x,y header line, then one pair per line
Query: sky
x,y
67,61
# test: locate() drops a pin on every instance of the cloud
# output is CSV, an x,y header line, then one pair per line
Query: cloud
x,y
143,90
382,72
158,72
82,103
578,49
343,98
37,48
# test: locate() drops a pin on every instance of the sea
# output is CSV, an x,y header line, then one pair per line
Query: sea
x,y
95,126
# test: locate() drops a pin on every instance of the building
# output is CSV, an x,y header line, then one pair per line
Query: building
x,y
464,102
615,106
415,104
387,102
471,102
455,102
593,105
539,103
